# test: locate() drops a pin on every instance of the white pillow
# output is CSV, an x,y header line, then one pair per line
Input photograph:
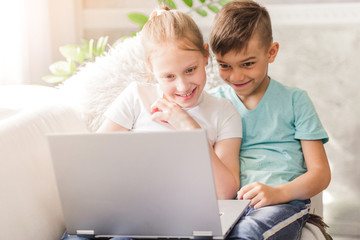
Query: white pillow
x,y
95,86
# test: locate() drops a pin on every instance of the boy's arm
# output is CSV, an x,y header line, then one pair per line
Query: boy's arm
x,y
226,168
316,179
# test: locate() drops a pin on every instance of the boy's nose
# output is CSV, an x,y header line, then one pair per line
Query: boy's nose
x,y
237,75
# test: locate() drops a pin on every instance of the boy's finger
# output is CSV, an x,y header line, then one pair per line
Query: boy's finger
x,y
243,190
251,194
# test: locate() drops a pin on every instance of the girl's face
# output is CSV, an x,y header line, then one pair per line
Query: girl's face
x,y
180,73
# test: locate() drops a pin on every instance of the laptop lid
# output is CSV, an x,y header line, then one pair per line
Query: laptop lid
x,y
138,184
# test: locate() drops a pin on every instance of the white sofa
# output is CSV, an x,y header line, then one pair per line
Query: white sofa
x,y
29,203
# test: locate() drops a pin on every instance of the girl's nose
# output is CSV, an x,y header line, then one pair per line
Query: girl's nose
x,y
182,84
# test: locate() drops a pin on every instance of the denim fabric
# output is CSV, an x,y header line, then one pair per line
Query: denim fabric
x,y
283,221
276,222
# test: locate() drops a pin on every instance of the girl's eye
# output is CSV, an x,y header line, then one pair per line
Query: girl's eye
x,y
170,76
190,70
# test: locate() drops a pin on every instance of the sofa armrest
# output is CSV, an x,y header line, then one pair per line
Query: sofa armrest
x,y
29,203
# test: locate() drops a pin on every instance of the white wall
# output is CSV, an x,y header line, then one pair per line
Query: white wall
x,y
319,49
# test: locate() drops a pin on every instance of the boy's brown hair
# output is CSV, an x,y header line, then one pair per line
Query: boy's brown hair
x,y
236,23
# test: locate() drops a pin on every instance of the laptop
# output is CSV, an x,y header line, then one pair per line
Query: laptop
x,y
148,184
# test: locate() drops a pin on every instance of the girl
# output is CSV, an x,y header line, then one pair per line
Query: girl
x,y
177,57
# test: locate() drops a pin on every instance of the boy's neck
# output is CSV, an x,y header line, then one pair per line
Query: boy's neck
x,y
251,101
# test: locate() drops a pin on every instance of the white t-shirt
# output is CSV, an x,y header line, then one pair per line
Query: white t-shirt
x,y
131,109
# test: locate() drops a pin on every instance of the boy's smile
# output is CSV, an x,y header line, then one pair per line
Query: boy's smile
x,y
246,71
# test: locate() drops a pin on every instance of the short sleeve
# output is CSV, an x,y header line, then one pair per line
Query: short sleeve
x,y
122,110
230,125
307,122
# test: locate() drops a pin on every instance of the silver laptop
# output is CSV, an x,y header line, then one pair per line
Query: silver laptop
x,y
140,185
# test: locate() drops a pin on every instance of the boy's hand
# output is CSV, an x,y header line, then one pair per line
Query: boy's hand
x,y
260,195
168,112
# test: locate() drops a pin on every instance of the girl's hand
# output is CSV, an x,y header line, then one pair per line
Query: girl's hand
x,y
261,195
168,112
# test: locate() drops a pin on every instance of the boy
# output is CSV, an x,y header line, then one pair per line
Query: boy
x,y
282,158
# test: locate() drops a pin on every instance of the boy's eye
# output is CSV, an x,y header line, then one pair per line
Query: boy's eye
x,y
224,66
248,64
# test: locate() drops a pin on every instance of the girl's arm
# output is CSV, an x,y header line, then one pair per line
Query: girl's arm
x,y
315,180
226,168
224,154
110,126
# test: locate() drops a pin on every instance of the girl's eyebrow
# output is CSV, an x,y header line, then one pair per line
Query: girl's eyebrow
x,y
190,65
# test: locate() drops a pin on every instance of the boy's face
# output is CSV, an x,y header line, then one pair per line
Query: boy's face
x,y
246,71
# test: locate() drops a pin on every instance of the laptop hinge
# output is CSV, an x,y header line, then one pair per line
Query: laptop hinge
x,y
203,234
85,233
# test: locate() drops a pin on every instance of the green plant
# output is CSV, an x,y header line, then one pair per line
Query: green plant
x,y
77,54
212,5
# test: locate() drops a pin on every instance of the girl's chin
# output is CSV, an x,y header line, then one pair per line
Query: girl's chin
x,y
186,104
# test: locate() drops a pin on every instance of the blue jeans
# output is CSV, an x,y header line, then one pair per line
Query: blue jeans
x,y
282,221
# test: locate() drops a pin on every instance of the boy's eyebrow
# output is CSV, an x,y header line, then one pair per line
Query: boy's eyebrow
x,y
241,61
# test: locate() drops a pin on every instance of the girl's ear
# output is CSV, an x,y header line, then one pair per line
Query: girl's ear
x,y
273,50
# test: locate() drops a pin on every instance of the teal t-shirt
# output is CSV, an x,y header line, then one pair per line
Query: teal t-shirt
x,y
271,151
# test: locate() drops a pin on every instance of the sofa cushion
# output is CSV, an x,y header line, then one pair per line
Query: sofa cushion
x,y
30,204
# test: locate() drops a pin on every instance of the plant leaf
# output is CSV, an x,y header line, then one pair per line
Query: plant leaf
x,y
90,49
202,1
101,45
189,3
72,52
104,44
201,12
170,3
72,66
61,68
213,8
224,2
138,18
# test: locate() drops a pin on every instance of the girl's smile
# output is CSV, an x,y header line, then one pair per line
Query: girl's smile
x,y
188,95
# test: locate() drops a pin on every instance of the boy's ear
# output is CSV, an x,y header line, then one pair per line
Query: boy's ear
x,y
206,46
273,50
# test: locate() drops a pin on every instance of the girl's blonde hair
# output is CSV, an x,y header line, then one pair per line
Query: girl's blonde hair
x,y
171,26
